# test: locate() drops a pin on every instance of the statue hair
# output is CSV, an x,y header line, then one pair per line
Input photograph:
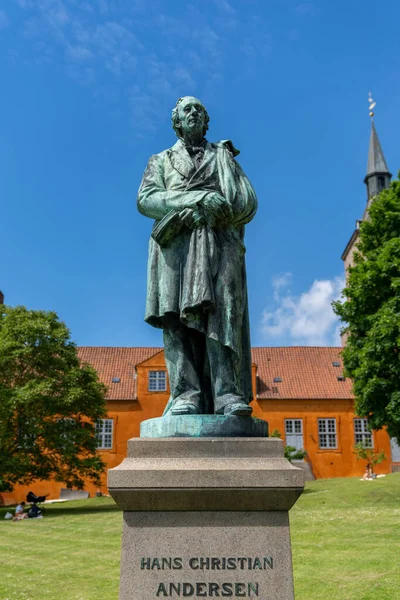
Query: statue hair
x,y
176,122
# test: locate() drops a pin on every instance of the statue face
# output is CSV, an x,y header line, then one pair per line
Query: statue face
x,y
191,115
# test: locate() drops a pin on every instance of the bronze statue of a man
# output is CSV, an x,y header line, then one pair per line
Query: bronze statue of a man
x,y
196,291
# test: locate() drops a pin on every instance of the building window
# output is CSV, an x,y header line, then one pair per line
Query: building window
x,y
327,433
381,183
157,381
104,434
362,433
293,426
294,433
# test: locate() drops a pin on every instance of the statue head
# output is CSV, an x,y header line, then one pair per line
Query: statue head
x,y
189,117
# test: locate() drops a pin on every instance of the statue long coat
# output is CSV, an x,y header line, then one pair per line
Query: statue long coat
x,y
200,274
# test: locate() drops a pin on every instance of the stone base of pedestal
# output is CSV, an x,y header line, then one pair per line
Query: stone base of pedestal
x,y
206,518
206,554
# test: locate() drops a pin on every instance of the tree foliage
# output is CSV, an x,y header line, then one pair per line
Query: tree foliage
x,y
49,403
370,310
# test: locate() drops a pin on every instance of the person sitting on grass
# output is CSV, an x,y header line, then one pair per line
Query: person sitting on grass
x,y
369,474
19,512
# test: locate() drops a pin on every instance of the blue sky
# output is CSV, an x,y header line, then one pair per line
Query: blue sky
x,y
87,89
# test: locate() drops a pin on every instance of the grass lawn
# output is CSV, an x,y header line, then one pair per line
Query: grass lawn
x,y
345,536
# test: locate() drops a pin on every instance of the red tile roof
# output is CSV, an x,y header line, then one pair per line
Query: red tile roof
x,y
306,372
116,362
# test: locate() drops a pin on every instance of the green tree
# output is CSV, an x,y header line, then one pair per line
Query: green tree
x,y
49,403
368,454
370,310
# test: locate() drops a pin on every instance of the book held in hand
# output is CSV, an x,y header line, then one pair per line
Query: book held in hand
x,y
167,228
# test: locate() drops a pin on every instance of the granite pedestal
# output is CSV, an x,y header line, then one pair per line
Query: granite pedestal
x,y
206,517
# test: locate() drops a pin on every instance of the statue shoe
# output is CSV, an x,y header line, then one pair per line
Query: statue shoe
x,y
240,409
184,407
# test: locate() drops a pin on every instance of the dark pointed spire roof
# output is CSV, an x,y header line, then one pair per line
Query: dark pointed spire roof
x,y
377,179
376,159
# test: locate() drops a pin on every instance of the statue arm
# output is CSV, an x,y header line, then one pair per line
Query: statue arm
x,y
155,200
245,204
236,187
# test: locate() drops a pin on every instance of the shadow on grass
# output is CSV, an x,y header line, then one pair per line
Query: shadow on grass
x,y
309,491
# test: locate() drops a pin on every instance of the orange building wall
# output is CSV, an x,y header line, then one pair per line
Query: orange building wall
x,y
128,415
325,463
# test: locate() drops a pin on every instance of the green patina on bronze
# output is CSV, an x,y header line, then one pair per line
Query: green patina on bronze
x,y
203,426
201,200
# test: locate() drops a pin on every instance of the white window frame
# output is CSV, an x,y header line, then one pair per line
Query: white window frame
x,y
362,433
294,423
105,434
293,433
157,381
327,434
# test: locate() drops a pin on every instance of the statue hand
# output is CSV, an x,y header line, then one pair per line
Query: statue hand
x,y
191,218
217,206
199,218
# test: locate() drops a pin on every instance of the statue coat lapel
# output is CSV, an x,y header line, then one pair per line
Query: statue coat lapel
x,y
181,161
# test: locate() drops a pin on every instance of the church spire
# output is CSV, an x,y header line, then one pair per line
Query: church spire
x,y
378,176
377,179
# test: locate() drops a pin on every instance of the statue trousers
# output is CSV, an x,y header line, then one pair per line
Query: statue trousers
x,y
201,370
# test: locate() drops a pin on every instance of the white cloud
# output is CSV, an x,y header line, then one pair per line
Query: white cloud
x,y
111,44
307,319
102,37
280,282
4,22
